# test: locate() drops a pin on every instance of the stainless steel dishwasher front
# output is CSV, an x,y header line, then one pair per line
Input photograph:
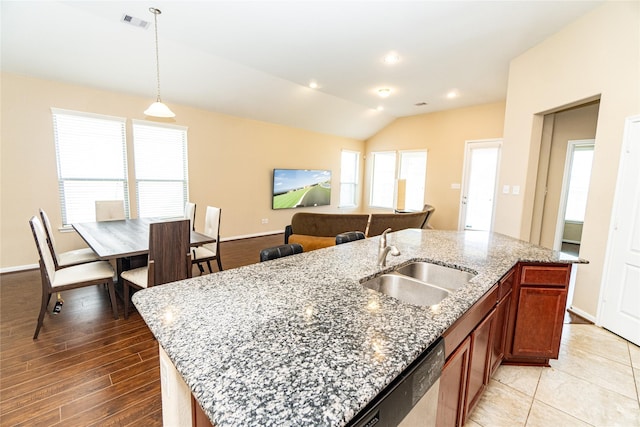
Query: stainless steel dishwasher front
x,y
412,398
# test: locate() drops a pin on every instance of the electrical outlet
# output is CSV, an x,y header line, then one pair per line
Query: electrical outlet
x,y
265,220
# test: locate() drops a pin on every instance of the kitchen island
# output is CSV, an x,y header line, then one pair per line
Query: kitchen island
x,y
299,340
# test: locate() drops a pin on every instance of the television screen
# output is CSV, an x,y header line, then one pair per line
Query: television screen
x,y
301,188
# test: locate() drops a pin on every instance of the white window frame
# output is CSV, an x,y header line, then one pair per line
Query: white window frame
x,y
164,143
397,174
346,182
83,143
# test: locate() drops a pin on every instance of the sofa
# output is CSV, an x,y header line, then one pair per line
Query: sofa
x,y
319,230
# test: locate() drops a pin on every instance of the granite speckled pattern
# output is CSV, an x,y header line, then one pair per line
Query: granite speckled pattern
x,y
299,341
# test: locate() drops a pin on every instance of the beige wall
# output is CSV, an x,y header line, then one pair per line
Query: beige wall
x,y
574,124
230,161
599,54
443,134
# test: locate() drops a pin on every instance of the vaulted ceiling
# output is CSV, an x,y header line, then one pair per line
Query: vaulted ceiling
x,y
256,59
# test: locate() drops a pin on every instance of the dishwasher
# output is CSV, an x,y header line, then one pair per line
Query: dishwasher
x,y
412,398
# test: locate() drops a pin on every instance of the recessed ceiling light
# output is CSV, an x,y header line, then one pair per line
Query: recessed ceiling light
x,y
391,58
384,92
452,94
314,84
380,108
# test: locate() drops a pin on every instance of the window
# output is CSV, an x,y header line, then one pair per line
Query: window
x,y
412,168
349,178
383,179
160,157
92,162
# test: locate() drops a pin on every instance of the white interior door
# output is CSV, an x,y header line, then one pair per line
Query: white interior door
x,y
478,195
620,296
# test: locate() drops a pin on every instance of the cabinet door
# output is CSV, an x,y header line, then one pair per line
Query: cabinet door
x,y
538,326
451,397
479,362
499,332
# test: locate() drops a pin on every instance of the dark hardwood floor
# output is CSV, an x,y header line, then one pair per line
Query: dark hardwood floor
x,y
85,368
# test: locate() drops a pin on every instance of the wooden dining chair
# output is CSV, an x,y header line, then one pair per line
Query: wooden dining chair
x,y
69,258
190,214
110,210
211,251
280,251
76,276
169,258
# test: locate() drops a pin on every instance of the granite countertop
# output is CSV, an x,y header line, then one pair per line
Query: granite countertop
x,y
299,341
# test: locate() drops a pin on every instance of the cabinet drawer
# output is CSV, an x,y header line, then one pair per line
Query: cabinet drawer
x,y
460,330
505,284
545,275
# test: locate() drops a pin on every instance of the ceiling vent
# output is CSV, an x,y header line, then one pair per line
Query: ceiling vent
x,y
136,22
421,104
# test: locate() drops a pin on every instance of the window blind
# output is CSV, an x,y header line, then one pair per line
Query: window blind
x,y
160,158
348,178
91,160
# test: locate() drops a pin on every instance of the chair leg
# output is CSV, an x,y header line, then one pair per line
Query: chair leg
x,y
46,297
200,268
125,286
209,266
219,263
112,296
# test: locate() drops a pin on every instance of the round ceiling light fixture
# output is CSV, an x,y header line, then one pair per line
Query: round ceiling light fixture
x,y
391,58
384,92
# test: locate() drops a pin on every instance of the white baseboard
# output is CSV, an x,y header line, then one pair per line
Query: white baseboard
x,y
226,239
582,314
19,268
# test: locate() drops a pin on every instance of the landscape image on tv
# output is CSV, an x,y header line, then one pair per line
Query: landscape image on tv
x,y
299,188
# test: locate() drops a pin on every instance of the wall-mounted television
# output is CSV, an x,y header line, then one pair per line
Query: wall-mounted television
x,y
301,188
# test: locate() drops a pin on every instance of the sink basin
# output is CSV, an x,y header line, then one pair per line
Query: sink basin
x,y
434,274
407,289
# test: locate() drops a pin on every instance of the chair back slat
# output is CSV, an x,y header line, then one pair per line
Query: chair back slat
x,y
169,244
190,213
212,227
50,239
43,250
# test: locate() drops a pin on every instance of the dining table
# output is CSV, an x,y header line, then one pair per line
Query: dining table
x,y
126,241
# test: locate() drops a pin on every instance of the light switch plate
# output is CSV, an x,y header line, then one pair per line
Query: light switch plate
x,y
515,190
505,189
455,186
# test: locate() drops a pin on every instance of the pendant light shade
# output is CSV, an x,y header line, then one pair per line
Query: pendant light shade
x,y
158,109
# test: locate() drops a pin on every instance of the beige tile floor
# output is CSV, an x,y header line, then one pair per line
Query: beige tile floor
x,y
594,382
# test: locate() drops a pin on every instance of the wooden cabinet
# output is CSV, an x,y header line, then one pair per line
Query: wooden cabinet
x,y
479,360
536,316
499,326
467,349
453,381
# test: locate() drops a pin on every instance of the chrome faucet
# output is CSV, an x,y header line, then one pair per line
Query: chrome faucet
x,y
383,249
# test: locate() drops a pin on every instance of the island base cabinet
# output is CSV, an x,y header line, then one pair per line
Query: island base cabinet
x,y
536,317
453,383
479,361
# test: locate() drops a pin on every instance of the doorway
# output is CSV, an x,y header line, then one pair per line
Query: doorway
x,y
575,189
477,200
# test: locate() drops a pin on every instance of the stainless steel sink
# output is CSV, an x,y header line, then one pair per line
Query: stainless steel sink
x,y
438,275
407,289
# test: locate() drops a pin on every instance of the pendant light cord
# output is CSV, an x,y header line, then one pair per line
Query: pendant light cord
x,y
156,12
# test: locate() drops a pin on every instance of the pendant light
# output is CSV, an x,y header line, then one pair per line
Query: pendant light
x,y
158,109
